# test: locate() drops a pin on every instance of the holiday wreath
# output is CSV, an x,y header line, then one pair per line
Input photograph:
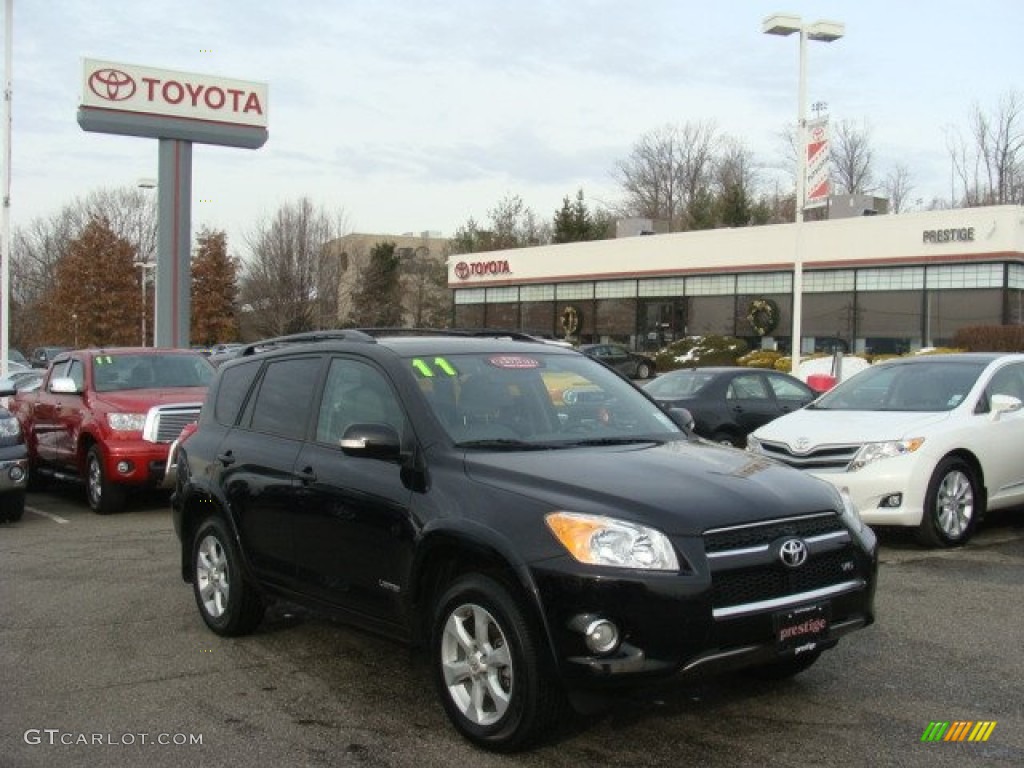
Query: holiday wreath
x,y
763,316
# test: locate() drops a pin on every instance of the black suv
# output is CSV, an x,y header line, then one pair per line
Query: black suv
x,y
540,525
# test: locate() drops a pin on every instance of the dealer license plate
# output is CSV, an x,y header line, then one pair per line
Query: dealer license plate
x,y
801,629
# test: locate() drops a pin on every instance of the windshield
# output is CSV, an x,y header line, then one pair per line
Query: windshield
x,y
536,400
937,385
113,373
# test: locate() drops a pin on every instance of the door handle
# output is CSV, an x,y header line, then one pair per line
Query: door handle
x,y
307,475
226,459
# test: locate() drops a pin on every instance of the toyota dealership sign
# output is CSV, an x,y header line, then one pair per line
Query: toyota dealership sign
x,y
132,88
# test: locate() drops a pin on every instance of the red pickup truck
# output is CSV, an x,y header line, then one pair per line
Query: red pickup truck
x,y
108,416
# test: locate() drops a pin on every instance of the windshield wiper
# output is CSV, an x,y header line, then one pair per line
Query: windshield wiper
x,y
504,444
615,441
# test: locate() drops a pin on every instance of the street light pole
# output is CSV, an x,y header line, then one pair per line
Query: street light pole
x,y
143,266
825,32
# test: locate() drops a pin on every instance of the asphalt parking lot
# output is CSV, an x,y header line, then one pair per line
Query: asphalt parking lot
x,y
104,661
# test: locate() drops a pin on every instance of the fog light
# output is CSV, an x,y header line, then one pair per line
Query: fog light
x,y
124,467
601,636
892,501
17,474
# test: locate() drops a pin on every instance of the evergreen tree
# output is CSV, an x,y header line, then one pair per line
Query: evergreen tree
x,y
377,301
95,299
214,290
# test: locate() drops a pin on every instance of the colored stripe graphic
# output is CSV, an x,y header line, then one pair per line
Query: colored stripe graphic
x,y
958,730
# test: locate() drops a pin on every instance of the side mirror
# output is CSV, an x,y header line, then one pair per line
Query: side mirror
x,y
683,419
372,440
64,385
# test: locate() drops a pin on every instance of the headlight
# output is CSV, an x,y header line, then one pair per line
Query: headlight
x,y
877,451
126,422
9,427
598,540
847,510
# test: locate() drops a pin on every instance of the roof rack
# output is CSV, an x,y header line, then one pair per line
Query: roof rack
x,y
308,337
497,333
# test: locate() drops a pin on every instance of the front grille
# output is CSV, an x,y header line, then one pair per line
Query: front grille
x,y
165,422
822,457
746,566
752,585
741,537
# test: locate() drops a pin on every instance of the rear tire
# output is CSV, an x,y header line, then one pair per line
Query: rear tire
x,y
104,496
227,601
952,505
492,668
643,371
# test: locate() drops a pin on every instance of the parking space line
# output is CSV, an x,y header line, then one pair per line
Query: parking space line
x,y
41,513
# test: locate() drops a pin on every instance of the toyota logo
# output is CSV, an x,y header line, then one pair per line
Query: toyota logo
x,y
462,270
802,444
112,84
793,553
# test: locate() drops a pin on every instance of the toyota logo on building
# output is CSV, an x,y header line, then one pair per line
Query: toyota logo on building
x,y
112,84
462,270
793,553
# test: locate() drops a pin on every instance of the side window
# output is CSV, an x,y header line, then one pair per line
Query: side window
x,y
76,372
59,370
234,386
1008,380
355,393
747,387
785,389
283,401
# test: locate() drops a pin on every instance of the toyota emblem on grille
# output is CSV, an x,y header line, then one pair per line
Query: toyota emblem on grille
x,y
802,444
112,84
793,553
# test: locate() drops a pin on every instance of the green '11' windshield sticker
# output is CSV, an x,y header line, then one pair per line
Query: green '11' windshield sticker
x,y
104,360
423,367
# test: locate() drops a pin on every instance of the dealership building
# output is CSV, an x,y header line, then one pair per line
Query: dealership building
x,y
871,284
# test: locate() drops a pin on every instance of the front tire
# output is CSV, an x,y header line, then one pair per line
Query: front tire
x,y
228,603
952,505
643,371
105,497
12,506
491,666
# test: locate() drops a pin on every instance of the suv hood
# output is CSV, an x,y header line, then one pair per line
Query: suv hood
x,y
819,427
679,487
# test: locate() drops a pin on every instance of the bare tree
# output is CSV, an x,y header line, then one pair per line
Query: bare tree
x,y
511,224
897,187
852,157
668,175
990,162
292,277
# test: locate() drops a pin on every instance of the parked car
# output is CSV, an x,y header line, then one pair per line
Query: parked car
x,y
19,381
930,442
43,356
13,464
728,403
462,494
107,417
632,364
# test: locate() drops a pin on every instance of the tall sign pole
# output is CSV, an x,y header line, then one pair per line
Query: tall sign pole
x,y
178,109
5,215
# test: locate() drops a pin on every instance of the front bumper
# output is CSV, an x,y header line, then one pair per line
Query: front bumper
x,y
135,462
678,623
870,487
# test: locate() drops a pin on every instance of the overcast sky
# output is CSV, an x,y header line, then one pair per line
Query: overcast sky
x,y
411,115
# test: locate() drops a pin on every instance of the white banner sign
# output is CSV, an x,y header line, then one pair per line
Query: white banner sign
x,y
817,181
131,88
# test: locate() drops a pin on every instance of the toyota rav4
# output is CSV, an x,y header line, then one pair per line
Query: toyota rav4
x,y
537,523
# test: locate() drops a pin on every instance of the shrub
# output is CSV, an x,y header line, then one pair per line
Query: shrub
x,y
700,351
990,338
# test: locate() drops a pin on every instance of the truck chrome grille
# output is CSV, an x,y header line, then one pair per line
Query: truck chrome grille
x,y
165,422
